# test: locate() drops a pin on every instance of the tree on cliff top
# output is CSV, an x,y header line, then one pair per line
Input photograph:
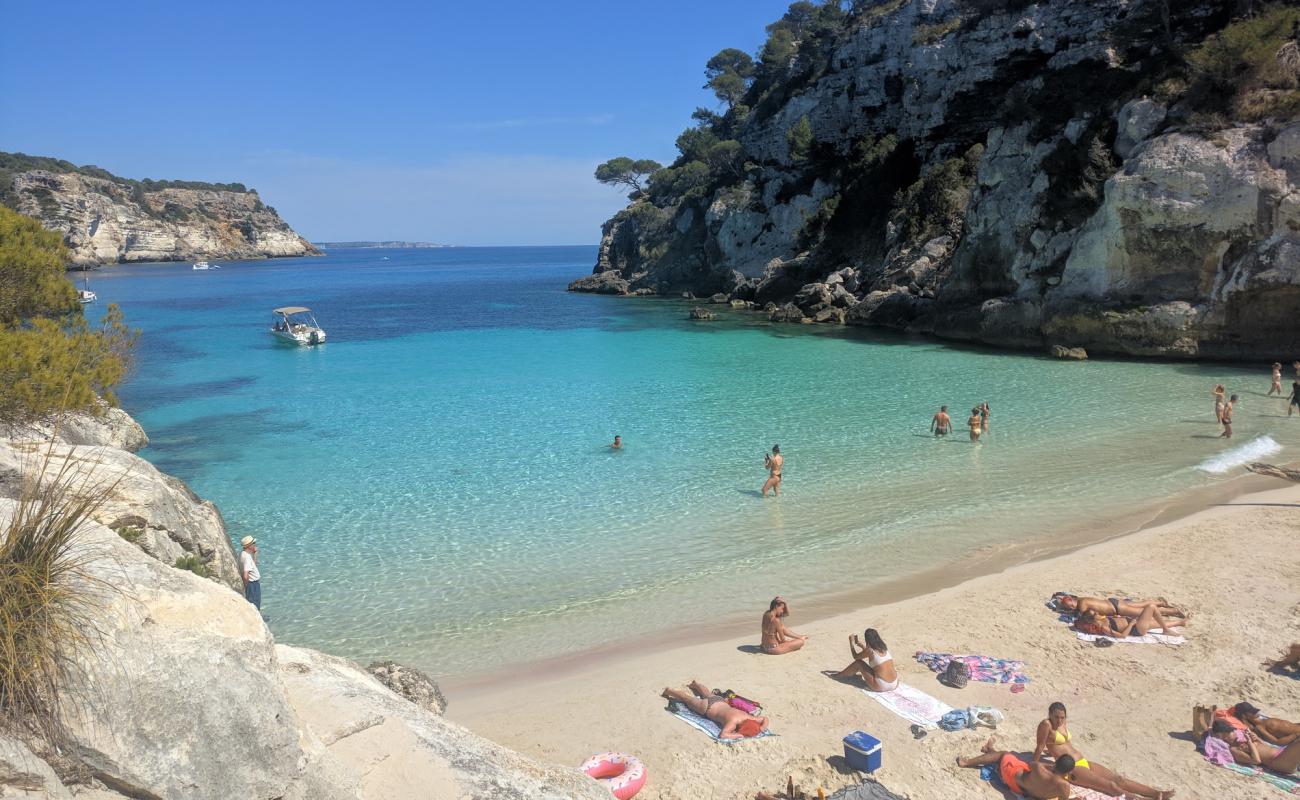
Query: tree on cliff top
x,y
728,74
623,171
51,360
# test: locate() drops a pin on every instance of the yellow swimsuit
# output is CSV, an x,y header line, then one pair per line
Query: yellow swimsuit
x,y
1059,739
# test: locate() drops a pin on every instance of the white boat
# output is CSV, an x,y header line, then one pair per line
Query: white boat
x,y
296,324
87,296
206,265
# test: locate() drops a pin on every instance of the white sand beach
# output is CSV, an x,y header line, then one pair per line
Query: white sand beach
x,y
1235,565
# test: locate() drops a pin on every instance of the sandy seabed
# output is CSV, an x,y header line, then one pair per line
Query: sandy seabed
x,y
1236,566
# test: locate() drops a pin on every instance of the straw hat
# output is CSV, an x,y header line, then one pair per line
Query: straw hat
x,y
247,540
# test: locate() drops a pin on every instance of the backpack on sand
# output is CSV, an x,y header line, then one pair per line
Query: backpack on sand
x,y
957,675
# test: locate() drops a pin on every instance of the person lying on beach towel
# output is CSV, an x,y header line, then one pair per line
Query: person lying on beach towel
x,y
1037,780
1248,750
1055,739
1288,662
1119,627
1269,729
1118,606
734,723
871,662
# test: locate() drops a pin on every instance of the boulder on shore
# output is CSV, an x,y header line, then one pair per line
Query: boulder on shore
x,y
701,313
1075,353
410,683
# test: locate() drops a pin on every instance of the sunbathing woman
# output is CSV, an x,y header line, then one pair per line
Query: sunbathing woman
x,y
1074,604
1247,749
1054,738
1270,729
1120,627
872,663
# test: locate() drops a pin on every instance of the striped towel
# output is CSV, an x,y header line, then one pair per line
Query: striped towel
x,y
1287,783
1150,638
913,705
706,725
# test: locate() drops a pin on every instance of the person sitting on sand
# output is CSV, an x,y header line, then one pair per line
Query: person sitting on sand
x,y
1118,627
872,663
1055,739
1290,660
1270,729
1036,780
734,723
1247,749
975,423
777,638
1077,604
941,423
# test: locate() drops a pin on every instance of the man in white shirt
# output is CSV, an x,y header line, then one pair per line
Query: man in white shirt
x,y
248,572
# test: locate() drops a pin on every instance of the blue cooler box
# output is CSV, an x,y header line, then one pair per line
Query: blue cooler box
x,y
862,751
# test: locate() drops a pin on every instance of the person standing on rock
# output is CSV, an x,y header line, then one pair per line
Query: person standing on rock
x,y
773,463
941,424
1226,418
249,573
1277,379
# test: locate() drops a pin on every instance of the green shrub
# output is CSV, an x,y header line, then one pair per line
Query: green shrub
x,y
49,600
928,34
934,204
800,139
192,563
1248,70
131,533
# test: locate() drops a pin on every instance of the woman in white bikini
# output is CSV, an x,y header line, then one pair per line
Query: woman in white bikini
x,y
872,663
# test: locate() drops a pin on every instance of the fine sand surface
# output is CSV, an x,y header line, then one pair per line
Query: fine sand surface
x,y
1236,566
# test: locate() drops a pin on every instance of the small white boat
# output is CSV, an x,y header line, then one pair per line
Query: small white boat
x,y
296,324
206,265
87,296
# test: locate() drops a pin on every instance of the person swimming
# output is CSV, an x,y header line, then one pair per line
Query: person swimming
x,y
1055,739
617,444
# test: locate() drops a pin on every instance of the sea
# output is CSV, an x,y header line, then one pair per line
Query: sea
x,y
434,485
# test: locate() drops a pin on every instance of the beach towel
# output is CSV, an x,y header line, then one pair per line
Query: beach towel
x,y
990,773
1150,638
706,725
913,705
982,668
1287,783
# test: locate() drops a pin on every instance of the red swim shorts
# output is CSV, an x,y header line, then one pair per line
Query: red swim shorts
x,y
1009,767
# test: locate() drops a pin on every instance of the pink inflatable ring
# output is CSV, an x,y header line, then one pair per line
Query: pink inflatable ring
x,y
622,774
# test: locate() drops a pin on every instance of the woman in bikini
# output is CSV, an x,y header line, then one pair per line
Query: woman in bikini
x,y
872,663
1220,398
1054,739
1270,729
1247,749
1119,627
976,424
1123,607
1277,379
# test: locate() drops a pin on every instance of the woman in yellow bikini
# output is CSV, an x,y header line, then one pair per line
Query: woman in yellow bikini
x,y
1054,738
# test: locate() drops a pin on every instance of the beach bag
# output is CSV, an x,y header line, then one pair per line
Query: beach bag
x,y
741,703
987,716
957,675
1202,720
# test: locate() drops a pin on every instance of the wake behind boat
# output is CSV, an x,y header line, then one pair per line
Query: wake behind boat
x,y
297,325
206,265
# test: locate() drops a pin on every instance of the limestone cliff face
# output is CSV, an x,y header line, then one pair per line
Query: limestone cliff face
x,y
185,694
1079,201
106,221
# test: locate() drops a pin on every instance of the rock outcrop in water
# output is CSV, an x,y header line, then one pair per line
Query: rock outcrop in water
x,y
105,219
186,695
1016,173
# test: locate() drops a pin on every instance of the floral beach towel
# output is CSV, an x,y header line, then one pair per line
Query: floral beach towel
x,y
982,668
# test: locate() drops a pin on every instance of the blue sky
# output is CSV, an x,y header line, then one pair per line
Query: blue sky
x,y
466,123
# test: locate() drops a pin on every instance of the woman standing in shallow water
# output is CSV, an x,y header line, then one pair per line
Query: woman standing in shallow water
x,y
1220,397
975,423
1277,378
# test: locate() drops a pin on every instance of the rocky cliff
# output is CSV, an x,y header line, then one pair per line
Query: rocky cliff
x,y
1095,173
105,219
185,693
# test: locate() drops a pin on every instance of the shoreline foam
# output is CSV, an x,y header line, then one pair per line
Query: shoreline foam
x,y
1130,706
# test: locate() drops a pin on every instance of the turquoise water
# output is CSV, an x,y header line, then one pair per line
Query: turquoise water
x,y
432,484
